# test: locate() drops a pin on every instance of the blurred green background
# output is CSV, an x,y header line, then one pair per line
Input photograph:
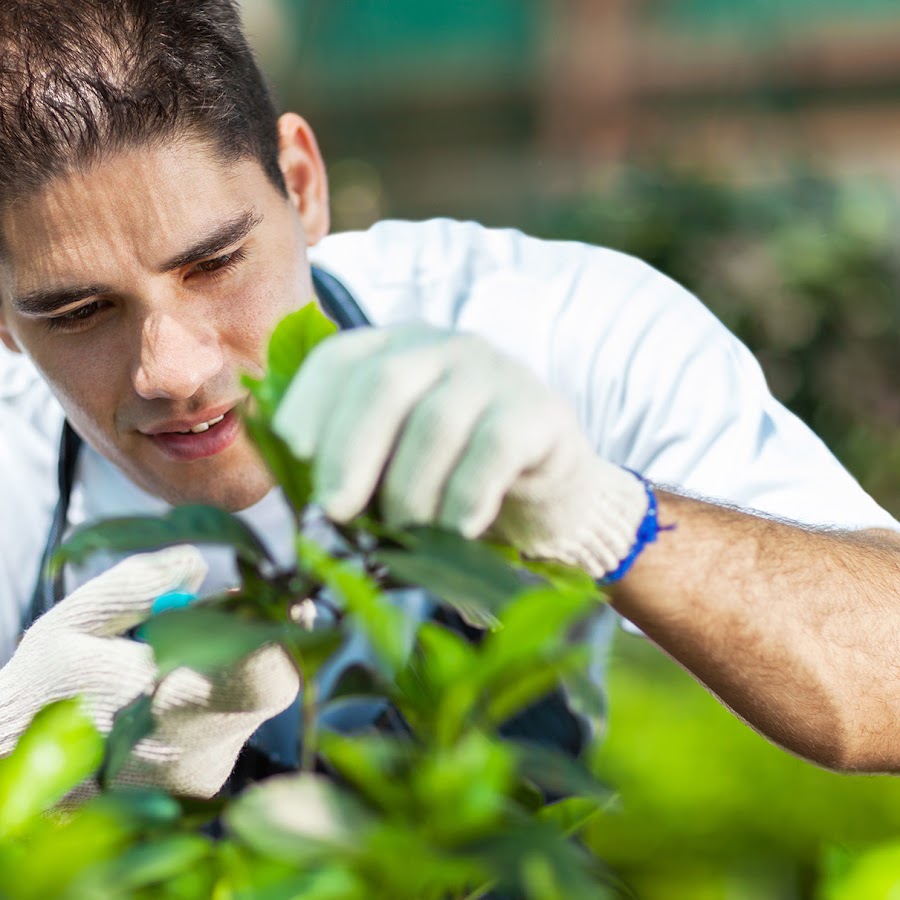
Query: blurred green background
x,y
752,151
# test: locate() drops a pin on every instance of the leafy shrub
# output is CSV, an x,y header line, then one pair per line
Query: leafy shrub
x,y
438,806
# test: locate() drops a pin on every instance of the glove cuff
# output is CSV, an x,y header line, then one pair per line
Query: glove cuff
x,y
647,533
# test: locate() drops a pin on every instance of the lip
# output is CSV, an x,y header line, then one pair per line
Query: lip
x,y
175,425
191,447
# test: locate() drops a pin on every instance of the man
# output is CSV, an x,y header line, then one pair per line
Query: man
x,y
156,220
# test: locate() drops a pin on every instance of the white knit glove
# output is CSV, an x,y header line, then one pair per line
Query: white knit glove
x,y
77,649
449,432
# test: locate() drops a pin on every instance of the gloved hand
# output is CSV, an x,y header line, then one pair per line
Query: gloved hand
x,y
450,432
77,649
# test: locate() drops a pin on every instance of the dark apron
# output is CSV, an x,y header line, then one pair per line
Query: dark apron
x,y
550,721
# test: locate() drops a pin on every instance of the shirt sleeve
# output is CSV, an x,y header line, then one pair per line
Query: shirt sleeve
x,y
665,389
659,384
30,420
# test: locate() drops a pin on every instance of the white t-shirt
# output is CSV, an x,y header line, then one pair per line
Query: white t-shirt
x,y
657,381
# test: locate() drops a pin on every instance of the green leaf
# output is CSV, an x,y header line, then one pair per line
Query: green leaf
x,y
464,787
535,625
312,649
205,640
373,764
142,808
534,860
293,475
571,815
56,753
384,624
558,774
440,685
194,524
156,864
585,695
294,338
131,724
508,694
359,680
468,575
294,817
562,577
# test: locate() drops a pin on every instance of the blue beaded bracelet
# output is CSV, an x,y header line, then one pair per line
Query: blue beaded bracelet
x,y
647,533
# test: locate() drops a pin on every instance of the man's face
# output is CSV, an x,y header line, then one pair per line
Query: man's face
x,y
142,288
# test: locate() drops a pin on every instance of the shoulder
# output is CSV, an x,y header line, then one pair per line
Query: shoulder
x,y
658,382
500,283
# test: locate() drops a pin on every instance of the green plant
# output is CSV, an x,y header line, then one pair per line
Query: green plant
x,y
438,806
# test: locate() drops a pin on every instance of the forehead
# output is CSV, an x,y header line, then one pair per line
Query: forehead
x,y
131,209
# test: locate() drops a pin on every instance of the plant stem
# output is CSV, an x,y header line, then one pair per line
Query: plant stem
x,y
308,706
310,734
479,891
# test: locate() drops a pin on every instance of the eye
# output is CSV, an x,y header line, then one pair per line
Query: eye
x,y
220,264
77,319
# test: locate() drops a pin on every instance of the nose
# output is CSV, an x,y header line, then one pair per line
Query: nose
x,y
176,358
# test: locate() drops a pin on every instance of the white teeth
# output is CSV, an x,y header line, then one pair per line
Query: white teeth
x,y
203,426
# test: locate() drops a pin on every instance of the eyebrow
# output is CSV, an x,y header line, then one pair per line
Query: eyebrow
x,y
46,302
224,236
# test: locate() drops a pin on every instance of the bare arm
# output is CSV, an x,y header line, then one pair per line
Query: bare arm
x,y
798,631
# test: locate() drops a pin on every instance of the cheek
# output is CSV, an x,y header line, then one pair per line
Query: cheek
x,y
253,311
86,384
87,380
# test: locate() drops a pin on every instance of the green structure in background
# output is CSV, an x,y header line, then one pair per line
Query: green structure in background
x,y
406,46
762,15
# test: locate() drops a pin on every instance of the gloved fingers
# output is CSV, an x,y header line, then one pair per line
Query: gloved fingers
x,y
316,388
122,597
357,441
202,723
193,755
263,683
513,437
434,438
266,681
109,674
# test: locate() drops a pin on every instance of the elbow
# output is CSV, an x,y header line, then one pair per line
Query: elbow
x,y
855,741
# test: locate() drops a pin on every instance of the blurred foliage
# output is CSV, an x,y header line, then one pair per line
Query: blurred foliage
x,y
712,811
804,269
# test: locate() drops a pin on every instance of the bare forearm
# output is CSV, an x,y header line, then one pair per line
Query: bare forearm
x,y
797,631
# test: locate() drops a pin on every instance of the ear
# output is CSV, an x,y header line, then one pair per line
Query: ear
x,y
304,173
6,337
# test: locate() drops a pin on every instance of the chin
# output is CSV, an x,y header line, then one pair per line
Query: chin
x,y
231,492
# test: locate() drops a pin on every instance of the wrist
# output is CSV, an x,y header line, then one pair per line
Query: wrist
x,y
647,532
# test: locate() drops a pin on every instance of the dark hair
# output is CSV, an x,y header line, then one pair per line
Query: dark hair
x,y
80,79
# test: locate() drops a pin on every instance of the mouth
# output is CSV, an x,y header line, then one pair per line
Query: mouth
x,y
186,440
203,426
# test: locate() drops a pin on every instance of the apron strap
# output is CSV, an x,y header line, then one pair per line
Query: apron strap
x,y
49,591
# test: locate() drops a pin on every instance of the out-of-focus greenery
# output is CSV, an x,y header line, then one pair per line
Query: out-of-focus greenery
x,y
712,811
803,268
